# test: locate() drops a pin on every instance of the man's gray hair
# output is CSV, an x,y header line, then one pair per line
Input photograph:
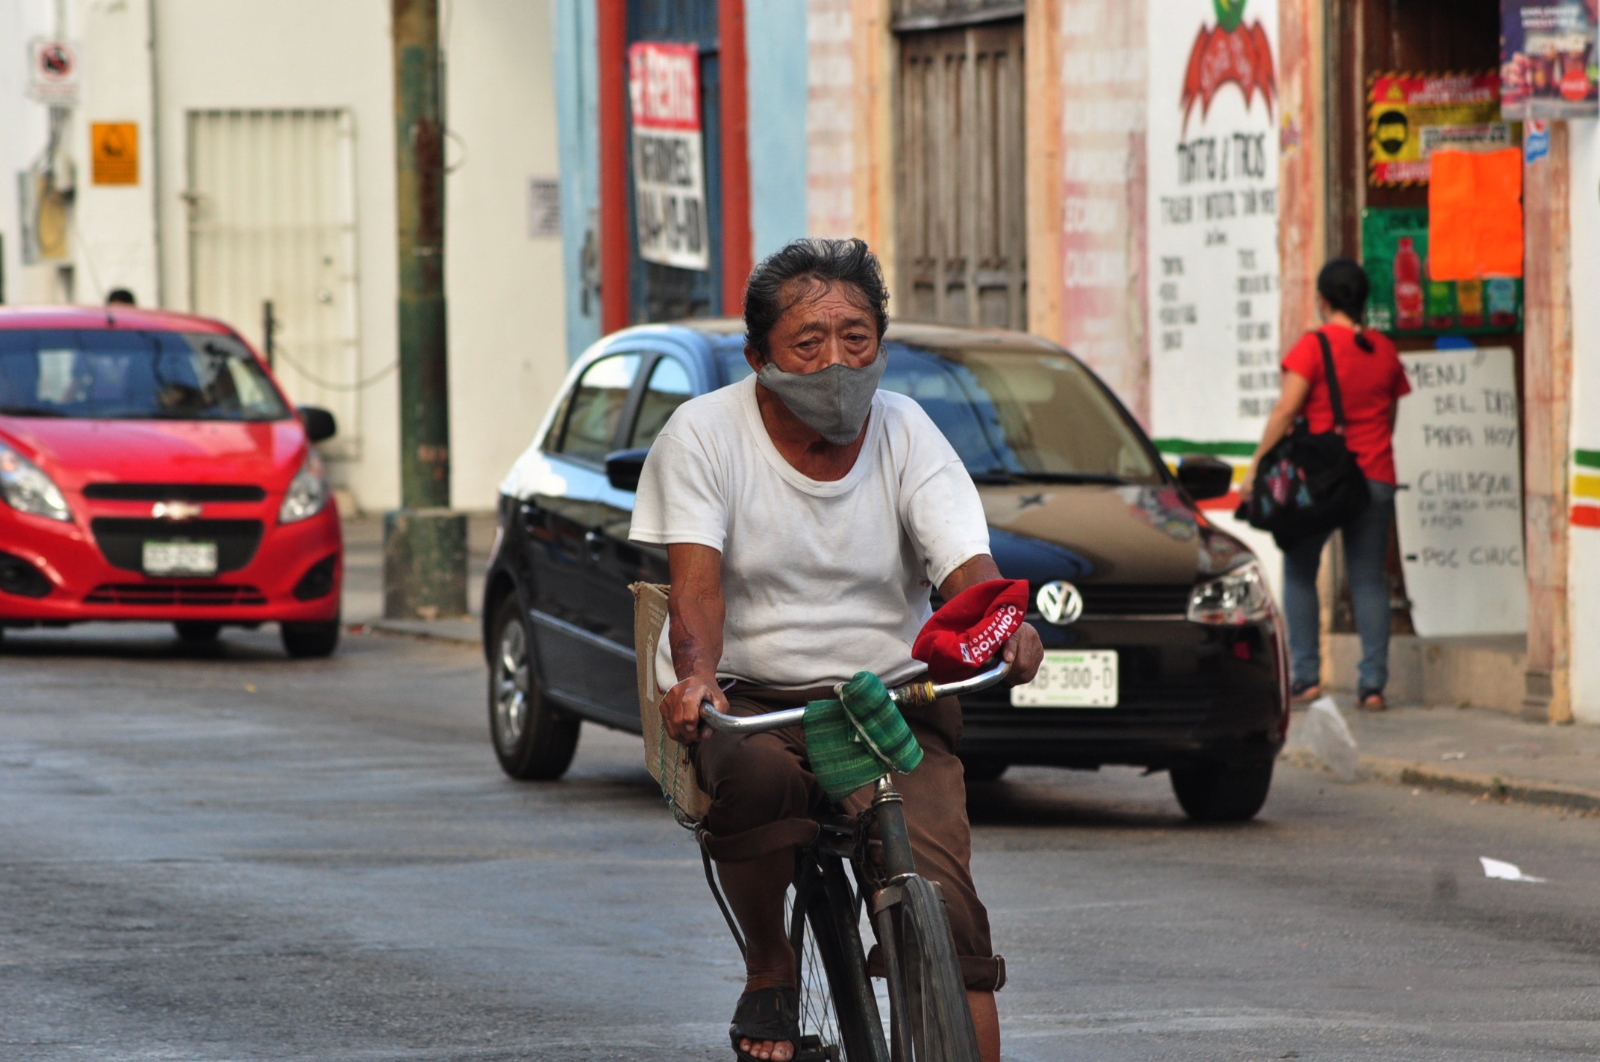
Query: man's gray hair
x,y
824,261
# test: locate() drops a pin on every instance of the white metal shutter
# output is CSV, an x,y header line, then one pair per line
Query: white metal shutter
x,y
272,218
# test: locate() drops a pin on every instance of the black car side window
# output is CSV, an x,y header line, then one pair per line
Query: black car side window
x,y
668,389
595,407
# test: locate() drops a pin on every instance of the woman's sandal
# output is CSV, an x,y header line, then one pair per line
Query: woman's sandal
x,y
767,1014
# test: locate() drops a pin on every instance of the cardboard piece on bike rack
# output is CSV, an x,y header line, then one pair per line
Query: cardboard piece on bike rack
x,y
664,758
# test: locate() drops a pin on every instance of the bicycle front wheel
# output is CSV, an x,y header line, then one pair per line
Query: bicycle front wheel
x,y
838,1014
930,1019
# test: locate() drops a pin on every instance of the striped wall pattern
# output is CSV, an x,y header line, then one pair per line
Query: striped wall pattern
x,y
1586,488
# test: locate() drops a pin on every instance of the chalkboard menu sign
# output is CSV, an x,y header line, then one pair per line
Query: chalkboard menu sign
x,y
1459,508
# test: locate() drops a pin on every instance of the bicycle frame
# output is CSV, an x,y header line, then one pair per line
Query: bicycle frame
x,y
881,882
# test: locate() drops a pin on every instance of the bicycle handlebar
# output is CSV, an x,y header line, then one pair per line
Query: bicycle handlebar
x,y
915,694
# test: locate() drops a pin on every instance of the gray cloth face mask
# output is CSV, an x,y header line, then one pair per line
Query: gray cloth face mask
x,y
834,401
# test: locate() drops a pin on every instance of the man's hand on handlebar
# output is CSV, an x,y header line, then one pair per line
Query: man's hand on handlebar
x,y
680,707
1024,652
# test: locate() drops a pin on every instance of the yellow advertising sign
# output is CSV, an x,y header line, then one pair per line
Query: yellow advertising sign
x,y
114,148
1412,115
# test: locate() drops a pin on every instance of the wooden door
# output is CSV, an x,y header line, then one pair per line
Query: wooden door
x,y
962,214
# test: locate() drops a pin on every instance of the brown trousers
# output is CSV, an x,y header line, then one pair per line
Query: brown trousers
x,y
764,799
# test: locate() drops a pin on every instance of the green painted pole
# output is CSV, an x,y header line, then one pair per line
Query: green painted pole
x,y
419,188
424,543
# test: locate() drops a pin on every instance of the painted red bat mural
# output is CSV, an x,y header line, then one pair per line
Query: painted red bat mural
x,y
1229,53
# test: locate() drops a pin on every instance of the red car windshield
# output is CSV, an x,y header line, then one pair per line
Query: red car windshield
x,y
121,374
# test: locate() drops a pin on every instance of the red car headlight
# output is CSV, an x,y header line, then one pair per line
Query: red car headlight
x,y
27,489
308,492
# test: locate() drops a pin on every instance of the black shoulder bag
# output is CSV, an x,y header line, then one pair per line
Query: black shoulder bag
x,y
1308,483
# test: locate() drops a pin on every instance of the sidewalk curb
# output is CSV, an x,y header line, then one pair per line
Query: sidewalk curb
x,y
404,630
1521,790
1431,776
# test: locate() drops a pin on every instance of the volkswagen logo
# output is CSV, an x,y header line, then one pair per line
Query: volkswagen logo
x,y
1059,602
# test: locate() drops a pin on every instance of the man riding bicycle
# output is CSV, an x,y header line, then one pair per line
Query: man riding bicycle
x,y
807,516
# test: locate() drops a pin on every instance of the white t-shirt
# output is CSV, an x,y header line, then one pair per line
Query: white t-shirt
x,y
821,580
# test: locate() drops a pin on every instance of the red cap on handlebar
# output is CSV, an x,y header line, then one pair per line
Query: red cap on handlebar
x,y
971,627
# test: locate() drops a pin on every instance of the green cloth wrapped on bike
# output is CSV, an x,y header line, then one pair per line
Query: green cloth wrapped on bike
x,y
857,738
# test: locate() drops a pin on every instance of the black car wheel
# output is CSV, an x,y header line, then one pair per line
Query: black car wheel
x,y
197,632
533,740
306,640
1222,789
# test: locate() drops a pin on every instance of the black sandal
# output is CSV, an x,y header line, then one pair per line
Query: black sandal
x,y
771,1014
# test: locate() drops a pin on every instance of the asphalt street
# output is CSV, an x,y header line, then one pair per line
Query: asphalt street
x,y
228,855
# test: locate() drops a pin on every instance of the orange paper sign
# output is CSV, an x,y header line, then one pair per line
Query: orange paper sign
x,y
1475,215
115,151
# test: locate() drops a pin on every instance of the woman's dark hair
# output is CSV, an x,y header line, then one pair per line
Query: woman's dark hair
x,y
1344,287
821,261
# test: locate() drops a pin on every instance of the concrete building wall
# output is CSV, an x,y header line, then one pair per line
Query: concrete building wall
x,y
507,313
283,55
111,238
152,62
578,120
777,57
830,119
1583,578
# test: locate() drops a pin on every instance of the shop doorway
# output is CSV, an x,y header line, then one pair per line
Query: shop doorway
x,y
961,167
272,247
1367,40
664,292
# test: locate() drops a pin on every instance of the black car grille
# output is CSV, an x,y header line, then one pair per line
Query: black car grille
x,y
1113,600
189,492
209,595
122,540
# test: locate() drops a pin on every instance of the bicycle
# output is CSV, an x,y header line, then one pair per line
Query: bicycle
x,y
929,1020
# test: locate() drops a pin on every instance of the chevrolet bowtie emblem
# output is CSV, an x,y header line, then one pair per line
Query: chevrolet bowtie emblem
x,y
176,510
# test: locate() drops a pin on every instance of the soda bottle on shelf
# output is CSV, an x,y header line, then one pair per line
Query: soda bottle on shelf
x,y
1469,303
1440,299
1408,300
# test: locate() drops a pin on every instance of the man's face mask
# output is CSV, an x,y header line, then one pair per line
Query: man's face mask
x,y
834,401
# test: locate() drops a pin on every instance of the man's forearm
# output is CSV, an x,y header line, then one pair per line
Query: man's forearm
x,y
696,606
980,569
696,637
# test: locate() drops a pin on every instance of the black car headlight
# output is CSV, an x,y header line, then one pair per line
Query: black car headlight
x,y
1239,597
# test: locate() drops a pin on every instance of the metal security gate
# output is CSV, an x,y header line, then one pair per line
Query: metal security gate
x,y
962,214
272,220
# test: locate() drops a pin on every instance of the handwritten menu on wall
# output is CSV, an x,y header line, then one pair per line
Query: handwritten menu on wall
x,y
1459,508
1212,201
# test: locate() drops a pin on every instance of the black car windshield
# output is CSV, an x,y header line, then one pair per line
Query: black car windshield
x,y
122,374
1014,415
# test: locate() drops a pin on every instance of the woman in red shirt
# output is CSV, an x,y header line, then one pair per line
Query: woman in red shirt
x,y
1371,382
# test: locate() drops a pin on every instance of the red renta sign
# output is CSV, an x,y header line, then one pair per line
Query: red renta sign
x,y
669,188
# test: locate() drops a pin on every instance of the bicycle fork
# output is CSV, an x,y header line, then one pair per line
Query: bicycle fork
x,y
889,815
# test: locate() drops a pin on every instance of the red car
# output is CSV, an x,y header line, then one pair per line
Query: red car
x,y
151,469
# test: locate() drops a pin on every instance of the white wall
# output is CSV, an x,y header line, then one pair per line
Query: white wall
x,y
507,352
114,246
286,54
111,243
1583,573
507,318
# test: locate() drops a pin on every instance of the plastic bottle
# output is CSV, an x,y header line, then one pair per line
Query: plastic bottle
x,y
1440,300
1408,302
1469,301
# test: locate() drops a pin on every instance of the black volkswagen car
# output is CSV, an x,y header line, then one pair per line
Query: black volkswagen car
x,y
1163,646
